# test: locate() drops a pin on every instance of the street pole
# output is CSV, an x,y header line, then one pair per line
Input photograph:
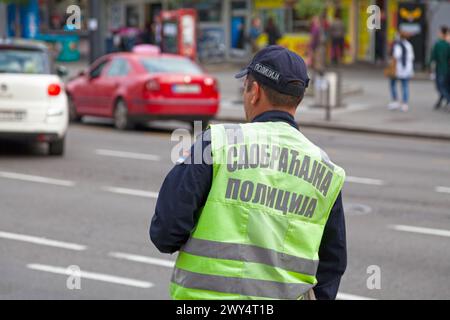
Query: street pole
x,y
94,26
328,102
3,21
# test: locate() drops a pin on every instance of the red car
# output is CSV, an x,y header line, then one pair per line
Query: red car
x,y
135,87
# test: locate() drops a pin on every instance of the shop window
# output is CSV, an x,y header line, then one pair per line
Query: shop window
x,y
208,11
53,14
132,16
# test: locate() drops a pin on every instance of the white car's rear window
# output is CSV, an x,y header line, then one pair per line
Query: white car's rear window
x,y
23,61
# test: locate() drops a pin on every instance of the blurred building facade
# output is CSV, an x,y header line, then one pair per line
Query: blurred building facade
x,y
3,20
224,25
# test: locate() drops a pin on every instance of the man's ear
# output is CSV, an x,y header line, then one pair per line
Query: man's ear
x,y
256,92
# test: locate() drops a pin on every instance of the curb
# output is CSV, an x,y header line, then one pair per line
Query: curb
x,y
357,129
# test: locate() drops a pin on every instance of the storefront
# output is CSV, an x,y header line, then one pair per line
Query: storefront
x,y
278,10
133,13
53,15
223,26
395,16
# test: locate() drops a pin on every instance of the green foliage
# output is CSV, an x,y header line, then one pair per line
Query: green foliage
x,y
306,9
14,1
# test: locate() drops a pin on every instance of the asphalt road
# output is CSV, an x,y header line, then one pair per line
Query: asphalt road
x,y
92,209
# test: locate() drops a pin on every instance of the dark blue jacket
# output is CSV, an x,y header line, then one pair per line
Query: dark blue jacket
x,y
186,189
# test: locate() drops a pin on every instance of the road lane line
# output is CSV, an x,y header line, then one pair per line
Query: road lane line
x,y
132,192
171,264
346,296
37,179
443,189
93,276
127,155
42,241
142,259
429,231
368,181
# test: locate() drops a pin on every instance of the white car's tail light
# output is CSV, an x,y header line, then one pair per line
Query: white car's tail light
x,y
54,90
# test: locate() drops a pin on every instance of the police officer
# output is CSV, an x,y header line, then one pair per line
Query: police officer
x,y
260,215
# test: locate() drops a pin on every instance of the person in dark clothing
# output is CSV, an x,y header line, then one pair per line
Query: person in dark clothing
x,y
186,188
440,56
337,34
273,33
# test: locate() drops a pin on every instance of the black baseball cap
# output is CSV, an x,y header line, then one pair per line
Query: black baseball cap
x,y
279,69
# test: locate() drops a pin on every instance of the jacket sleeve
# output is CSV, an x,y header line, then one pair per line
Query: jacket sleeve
x,y
332,254
182,195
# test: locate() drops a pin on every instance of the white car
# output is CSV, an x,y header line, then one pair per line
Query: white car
x,y
33,102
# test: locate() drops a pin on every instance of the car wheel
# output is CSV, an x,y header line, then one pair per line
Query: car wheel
x,y
121,119
56,148
73,114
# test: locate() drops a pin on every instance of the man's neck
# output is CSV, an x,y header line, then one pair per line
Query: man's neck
x,y
276,109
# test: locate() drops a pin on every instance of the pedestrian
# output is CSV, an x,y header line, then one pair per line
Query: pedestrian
x,y
440,57
272,31
255,33
318,44
337,34
157,31
403,56
261,214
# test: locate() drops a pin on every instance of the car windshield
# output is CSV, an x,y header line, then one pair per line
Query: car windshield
x,y
170,65
23,61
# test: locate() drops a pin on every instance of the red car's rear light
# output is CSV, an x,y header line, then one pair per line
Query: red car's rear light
x,y
152,85
210,82
54,90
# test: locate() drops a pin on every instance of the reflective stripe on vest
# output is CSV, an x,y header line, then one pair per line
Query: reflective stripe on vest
x,y
244,287
250,253
259,232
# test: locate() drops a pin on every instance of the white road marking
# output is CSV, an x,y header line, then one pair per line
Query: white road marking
x,y
142,259
127,155
429,231
42,241
132,192
171,264
373,182
346,296
93,276
37,179
443,189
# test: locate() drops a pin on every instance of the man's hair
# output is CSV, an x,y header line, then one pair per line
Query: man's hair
x,y
276,99
444,30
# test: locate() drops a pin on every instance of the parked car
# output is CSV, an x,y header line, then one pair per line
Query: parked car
x,y
33,103
136,87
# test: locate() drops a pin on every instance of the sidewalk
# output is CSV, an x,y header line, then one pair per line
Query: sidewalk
x,y
364,111
366,95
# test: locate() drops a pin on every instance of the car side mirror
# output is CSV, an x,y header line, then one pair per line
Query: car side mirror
x,y
62,71
93,76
